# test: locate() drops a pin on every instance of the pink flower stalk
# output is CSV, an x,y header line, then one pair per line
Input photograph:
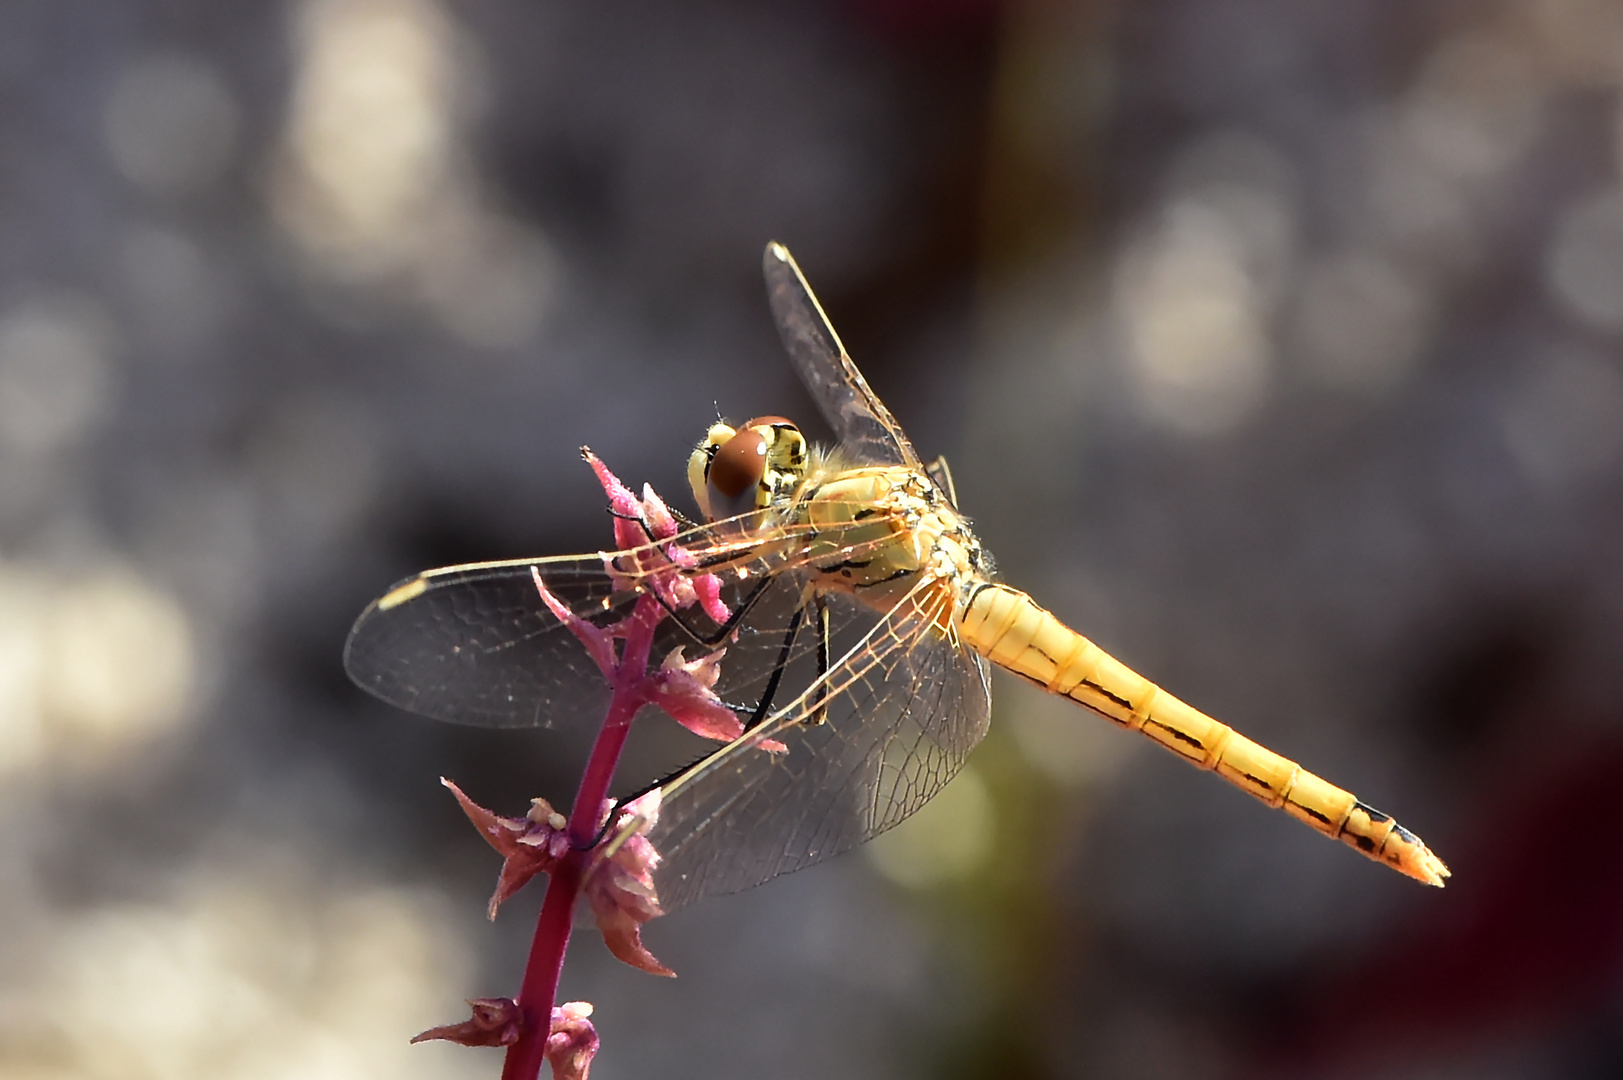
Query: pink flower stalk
x,y
618,881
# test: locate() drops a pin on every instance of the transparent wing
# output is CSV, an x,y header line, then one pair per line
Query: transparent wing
x,y
860,420
904,706
476,645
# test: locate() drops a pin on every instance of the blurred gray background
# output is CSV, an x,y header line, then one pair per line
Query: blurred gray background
x,y
1275,344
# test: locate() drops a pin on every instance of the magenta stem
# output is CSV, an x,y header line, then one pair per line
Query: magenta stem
x,y
540,987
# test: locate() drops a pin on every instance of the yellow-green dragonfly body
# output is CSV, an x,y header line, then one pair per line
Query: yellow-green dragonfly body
x,y
865,612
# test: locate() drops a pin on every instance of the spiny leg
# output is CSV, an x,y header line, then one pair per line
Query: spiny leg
x,y
762,707
819,710
759,714
710,641
765,704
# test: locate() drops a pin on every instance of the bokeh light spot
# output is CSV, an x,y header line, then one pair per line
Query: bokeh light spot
x,y
119,658
1475,107
1195,289
1566,421
249,972
171,124
370,128
1360,321
1584,264
55,377
89,667
376,185
179,299
1065,744
1192,319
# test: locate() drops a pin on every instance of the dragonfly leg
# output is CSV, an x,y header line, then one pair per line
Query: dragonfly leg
x,y
764,706
711,640
819,711
608,821
757,715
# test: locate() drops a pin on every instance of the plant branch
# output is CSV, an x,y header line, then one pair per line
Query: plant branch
x,y
552,927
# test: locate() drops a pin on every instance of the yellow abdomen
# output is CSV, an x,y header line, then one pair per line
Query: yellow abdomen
x,y
1008,628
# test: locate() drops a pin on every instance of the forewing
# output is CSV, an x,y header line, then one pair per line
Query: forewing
x,y
865,428
475,644
904,707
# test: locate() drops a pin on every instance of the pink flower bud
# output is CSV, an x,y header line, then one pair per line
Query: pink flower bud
x,y
572,1042
528,845
620,887
495,1022
683,689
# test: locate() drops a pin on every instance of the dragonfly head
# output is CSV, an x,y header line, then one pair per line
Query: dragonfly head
x,y
751,467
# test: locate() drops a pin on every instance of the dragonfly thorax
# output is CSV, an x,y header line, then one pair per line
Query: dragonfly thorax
x,y
880,531
752,467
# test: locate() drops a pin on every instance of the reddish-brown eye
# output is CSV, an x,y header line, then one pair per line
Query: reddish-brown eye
x,y
735,473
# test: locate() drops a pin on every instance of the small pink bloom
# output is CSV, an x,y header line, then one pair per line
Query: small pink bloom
x,y
640,526
495,1022
771,746
620,888
683,689
572,1041
528,845
658,517
674,591
627,511
708,589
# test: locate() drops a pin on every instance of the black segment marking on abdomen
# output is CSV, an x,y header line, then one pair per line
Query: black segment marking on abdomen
x,y
1312,813
1118,699
1375,816
1183,737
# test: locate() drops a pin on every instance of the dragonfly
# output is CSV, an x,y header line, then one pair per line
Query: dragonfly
x,y
863,617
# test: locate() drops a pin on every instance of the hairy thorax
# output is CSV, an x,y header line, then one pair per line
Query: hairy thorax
x,y
882,531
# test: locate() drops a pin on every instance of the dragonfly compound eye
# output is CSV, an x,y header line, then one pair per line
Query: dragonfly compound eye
x,y
753,467
733,478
